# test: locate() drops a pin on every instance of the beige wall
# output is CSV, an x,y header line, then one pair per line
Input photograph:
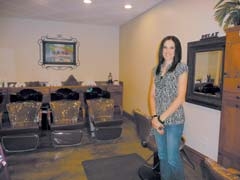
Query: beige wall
x,y
19,50
139,41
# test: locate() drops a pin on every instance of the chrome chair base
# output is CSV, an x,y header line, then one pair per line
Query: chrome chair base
x,y
64,138
147,173
20,143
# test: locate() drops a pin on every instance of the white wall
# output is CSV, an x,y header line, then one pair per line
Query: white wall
x,y
19,50
139,41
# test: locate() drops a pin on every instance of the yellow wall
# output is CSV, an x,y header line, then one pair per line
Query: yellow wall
x,y
139,41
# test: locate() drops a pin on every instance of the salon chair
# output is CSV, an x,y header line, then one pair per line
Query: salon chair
x,y
68,118
150,171
23,133
104,124
66,111
94,93
24,110
24,115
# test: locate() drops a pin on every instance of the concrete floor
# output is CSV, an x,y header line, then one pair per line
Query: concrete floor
x,y
65,163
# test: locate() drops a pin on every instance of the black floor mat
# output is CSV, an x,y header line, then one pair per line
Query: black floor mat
x,y
123,167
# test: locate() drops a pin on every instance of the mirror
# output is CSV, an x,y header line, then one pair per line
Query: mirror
x,y
205,63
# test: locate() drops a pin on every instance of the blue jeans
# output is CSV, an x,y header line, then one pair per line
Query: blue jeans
x,y
171,165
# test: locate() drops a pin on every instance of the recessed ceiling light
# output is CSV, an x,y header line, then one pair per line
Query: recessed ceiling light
x,y
87,1
128,6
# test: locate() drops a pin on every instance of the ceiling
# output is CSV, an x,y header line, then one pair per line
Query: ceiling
x,y
99,12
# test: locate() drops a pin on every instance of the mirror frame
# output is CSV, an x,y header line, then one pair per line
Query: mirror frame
x,y
208,44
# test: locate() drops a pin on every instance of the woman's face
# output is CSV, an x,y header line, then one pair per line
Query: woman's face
x,y
168,50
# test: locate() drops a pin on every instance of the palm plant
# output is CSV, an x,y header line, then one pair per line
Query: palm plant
x,y
227,13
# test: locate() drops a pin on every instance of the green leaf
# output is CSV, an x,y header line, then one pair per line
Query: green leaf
x,y
227,12
218,4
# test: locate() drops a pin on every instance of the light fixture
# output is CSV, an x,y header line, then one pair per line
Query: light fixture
x,y
128,6
87,1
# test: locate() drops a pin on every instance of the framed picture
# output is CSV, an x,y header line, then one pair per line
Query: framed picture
x,y
59,53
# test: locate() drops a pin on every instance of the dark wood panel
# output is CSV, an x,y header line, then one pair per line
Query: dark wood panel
x,y
229,143
230,128
232,84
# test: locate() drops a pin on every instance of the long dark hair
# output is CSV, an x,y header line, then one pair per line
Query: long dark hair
x,y
178,54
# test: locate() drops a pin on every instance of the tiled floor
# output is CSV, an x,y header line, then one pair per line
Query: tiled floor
x,y
65,163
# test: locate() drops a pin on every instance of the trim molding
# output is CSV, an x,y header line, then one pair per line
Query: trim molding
x,y
194,155
129,116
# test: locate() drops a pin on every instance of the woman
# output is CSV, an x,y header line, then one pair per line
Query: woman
x,y
167,94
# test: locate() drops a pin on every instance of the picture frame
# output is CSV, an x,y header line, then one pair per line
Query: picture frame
x,y
59,53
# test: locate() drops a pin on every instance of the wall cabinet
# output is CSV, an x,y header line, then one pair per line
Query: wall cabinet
x,y
229,143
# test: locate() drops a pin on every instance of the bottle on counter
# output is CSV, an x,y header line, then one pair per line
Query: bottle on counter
x,y
110,81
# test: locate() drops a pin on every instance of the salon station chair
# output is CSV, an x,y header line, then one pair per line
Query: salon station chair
x,y
24,111
104,123
67,118
150,170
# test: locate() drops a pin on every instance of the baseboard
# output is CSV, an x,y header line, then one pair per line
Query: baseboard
x,y
194,155
128,116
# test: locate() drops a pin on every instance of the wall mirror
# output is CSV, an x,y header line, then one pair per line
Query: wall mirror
x,y
205,78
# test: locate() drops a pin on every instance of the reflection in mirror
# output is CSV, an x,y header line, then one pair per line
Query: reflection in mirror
x,y
205,63
208,73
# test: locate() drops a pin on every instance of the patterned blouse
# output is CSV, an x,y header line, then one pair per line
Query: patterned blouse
x,y
166,91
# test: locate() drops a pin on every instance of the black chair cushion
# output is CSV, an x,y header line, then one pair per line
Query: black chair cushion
x,y
64,93
26,95
95,92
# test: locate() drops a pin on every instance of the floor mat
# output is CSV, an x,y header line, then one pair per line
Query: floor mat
x,y
123,167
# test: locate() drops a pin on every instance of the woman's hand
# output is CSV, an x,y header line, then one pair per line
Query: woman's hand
x,y
157,125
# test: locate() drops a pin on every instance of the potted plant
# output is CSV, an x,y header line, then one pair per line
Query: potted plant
x,y
227,13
